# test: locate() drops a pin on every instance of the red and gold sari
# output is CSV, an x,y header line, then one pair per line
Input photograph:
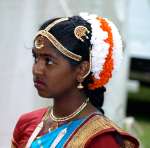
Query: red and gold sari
x,y
97,131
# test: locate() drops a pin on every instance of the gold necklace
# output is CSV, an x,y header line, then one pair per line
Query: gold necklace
x,y
71,116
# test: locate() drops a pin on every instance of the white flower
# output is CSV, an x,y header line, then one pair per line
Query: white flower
x,y
117,48
100,48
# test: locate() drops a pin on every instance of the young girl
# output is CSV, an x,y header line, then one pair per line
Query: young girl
x,y
74,58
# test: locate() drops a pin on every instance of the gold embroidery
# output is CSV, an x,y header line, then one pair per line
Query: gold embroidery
x,y
129,144
92,127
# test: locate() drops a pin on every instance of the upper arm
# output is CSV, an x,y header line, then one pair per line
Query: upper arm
x,y
21,130
26,125
103,141
16,133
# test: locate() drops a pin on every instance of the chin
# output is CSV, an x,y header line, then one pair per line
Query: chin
x,y
43,94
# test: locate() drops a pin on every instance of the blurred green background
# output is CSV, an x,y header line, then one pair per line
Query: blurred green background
x,y
139,106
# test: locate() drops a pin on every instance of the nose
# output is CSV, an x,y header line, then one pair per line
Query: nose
x,y
39,68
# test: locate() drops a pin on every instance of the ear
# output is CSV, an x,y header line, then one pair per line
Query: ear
x,y
83,69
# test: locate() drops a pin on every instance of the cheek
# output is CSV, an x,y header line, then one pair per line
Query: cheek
x,y
60,81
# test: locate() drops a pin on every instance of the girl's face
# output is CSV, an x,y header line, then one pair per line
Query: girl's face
x,y
52,73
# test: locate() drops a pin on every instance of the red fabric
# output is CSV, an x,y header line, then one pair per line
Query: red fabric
x,y
103,141
28,122
110,140
25,126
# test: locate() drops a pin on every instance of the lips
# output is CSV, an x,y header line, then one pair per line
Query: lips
x,y
39,84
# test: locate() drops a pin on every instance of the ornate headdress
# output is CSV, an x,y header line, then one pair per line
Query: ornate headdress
x,y
106,52
54,41
106,49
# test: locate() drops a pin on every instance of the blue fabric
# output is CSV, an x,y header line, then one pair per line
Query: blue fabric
x,y
46,140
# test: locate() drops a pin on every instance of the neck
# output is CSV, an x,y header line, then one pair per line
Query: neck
x,y
68,103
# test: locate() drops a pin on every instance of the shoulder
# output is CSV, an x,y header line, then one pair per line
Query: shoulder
x,y
109,134
111,140
98,129
33,115
26,125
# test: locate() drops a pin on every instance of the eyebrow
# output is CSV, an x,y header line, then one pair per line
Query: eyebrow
x,y
44,54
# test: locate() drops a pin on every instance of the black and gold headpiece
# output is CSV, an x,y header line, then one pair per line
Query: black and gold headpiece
x,y
79,32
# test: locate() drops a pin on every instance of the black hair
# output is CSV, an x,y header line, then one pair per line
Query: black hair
x,y
64,32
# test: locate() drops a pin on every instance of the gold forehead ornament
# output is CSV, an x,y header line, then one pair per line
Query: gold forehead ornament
x,y
39,43
80,32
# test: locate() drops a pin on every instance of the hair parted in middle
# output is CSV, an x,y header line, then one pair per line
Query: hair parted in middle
x,y
86,38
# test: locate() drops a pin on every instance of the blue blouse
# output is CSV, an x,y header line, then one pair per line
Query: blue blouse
x,y
58,137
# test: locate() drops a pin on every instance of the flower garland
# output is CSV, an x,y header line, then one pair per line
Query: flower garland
x,y
106,72
117,48
106,49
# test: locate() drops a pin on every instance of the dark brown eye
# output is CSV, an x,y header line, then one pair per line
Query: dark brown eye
x,y
49,61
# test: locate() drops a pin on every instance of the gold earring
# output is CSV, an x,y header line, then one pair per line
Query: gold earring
x,y
80,86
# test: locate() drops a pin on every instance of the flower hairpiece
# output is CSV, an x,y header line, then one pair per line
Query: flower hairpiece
x,y
106,49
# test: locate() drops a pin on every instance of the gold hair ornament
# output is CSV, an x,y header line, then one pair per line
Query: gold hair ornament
x,y
55,42
39,42
81,31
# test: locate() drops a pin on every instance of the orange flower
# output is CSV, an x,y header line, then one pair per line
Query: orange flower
x,y
108,66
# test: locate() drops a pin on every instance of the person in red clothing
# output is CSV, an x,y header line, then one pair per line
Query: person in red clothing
x,y
74,59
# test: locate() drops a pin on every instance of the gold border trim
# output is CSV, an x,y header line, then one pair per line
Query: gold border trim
x,y
54,23
92,127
